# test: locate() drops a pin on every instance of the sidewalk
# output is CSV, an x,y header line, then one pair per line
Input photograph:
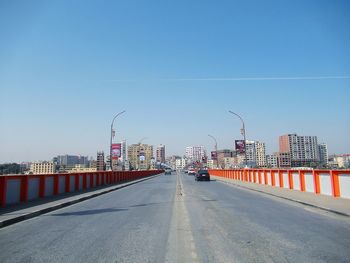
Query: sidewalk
x,y
336,205
19,212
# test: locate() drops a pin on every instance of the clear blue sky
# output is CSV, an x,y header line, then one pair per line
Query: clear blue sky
x,y
176,67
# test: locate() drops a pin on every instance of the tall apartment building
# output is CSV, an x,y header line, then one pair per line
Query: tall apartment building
x,y
43,168
256,153
160,153
196,153
100,161
323,154
303,150
140,156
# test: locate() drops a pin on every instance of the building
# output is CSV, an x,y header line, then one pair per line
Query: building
x,y
171,161
323,154
339,161
42,168
124,150
81,169
196,153
222,154
122,163
211,164
303,150
230,162
140,156
160,154
256,156
67,162
71,160
272,160
284,160
100,161
180,163
260,154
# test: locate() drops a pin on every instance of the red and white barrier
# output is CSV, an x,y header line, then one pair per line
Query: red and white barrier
x,y
23,188
334,183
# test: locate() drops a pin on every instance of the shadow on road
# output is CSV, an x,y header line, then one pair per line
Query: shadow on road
x,y
91,212
149,204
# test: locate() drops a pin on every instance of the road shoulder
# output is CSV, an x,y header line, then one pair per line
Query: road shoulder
x,y
339,206
16,214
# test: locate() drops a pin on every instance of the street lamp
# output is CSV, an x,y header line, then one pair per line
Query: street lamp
x,y
216,150
110,145
243,133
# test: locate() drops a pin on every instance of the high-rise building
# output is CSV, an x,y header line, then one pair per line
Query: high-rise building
x,y
196,153
100,161
140,156
303,150
256,153
323,154
160,153
260,154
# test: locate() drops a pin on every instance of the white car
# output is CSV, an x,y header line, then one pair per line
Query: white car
x,y
191,172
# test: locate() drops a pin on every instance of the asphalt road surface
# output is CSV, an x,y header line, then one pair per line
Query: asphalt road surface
x,y
172,218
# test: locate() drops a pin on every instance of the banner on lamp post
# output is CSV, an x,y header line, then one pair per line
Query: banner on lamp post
x,y
116,150
240,146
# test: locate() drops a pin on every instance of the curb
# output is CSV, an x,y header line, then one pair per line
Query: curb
x,y
33,214
286,198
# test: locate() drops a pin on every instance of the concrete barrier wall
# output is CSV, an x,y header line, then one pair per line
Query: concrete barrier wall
x,y
334,183
344,183
49,186
22,188
33,188
13,191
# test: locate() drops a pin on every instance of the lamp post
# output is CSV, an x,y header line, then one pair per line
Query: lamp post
x,y
216,150
110,145
243,133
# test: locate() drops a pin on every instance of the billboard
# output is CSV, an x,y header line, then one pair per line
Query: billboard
x,y
116,150
240,146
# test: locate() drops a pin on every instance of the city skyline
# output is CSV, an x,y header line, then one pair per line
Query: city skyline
x,y
177,69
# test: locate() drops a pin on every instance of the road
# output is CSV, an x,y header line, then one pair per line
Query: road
x,y
172,218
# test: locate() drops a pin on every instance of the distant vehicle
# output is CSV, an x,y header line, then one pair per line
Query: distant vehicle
x,y
191,171
202,175
167,171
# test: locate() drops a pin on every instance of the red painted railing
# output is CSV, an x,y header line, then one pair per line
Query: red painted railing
x,y
334,183
22,188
